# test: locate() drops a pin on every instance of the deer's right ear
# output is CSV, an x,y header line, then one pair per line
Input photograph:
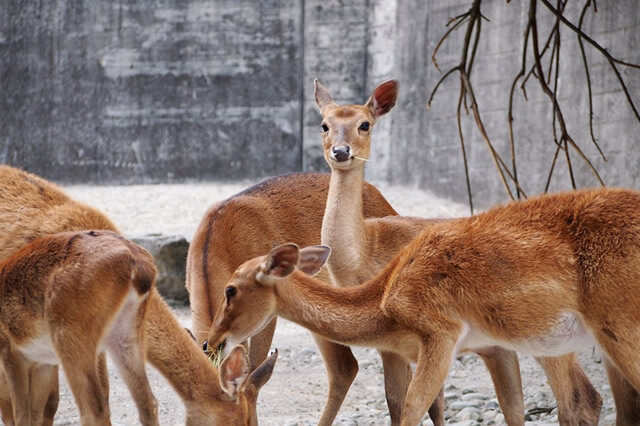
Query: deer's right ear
x,y
321,93
281,261
313,258
383,98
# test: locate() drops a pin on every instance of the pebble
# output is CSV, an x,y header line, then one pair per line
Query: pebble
x,y
492,405
464,423
468,413
489,415
459,405
473,395
450,395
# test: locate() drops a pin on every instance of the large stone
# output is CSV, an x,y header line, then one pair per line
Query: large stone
x,y
170,255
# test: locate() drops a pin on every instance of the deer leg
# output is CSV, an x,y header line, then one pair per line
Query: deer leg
x,y
342,368
84,381
260,344
103,376
504,368
626,398
16,368
6,408
44,393
434,360
397,376
578,401
125,343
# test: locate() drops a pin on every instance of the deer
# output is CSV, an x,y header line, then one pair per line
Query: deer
x,y
65,299
362,246
249,224
545,276
32,208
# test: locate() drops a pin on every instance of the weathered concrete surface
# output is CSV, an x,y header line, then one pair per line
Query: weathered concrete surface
x,y
150,90
422,147
156,90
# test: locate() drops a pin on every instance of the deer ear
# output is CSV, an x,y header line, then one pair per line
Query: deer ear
x,y
234,370
313,258
262,373
322,95
383,98
281,261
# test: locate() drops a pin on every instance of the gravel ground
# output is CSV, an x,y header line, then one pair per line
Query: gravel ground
x,y
296,392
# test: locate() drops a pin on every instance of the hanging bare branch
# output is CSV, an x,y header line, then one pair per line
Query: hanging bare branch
x,y
586,70
473,18
565,136
548,82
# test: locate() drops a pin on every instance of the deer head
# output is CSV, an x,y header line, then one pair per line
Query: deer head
x,y
251,293
242,386
346,129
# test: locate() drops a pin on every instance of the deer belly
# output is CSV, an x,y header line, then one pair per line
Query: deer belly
x,y
40,350
567,335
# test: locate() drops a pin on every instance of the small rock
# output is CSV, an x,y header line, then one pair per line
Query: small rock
x,y
170,256
473,395
450,395
500,419
489,415
468,413
464,423
459,405
492,405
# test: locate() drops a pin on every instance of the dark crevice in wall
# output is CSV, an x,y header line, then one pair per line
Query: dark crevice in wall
x,y
301,86
367,39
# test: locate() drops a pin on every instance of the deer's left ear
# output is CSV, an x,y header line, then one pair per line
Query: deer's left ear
x,y
312,258
234,370
383,98
281,261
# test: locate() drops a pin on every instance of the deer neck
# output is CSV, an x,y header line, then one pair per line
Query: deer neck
x,y
178,358
348,315
343,227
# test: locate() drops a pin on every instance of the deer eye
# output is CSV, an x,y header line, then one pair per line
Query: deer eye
x,y
364,126
325,128
230,292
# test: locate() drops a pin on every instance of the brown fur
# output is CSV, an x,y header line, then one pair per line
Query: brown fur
x,y
509,273
33,207
280,209
73,290
362,247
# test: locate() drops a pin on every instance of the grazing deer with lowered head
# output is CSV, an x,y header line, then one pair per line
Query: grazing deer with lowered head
x,y
248,225
547,276
32,208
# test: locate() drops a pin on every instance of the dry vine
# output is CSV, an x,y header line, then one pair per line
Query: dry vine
x,y
548,83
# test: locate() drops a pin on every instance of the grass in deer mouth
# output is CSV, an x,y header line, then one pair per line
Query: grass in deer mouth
x,y
216,355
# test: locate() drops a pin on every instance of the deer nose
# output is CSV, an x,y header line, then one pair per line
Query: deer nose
x,y
340,153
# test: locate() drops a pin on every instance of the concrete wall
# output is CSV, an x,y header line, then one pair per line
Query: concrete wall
x,y
154,90
151,90
420,147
